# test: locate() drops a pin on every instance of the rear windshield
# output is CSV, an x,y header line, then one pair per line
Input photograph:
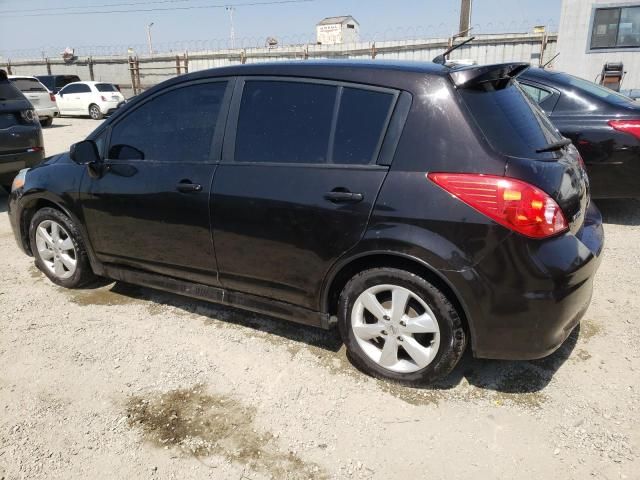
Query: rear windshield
x,y
512,124
603,93
106,87
28,85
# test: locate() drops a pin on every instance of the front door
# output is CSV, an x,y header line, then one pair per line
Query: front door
x,y
150,209
297,183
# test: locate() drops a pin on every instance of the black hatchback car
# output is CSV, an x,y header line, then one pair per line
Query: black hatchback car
x,y
604,125
21,143
418,207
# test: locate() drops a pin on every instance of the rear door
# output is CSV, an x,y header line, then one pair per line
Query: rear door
x,y
150,210
297,183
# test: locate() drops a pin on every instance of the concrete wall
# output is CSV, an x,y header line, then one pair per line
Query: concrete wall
x,y
573,39
153,70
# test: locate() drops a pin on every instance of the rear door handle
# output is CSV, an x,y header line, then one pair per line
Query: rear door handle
x,y
343,197
188,187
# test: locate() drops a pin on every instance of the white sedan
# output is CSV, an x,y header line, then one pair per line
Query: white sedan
x,y
95,99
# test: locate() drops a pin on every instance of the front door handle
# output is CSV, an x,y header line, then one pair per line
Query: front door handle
x,y
343,197
187,187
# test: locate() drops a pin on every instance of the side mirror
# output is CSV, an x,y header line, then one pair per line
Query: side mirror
x,y
85,153
61,94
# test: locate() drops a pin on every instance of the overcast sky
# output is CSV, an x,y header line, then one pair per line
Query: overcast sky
x,y
56,26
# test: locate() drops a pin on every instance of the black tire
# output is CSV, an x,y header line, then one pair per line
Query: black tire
x,y
83,274
453,338
95,113
47,122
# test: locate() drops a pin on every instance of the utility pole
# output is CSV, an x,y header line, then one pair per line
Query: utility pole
x,y
232,33
149,38
465,17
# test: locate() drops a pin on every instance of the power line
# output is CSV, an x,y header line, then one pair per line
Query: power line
x,y
169,9
105,5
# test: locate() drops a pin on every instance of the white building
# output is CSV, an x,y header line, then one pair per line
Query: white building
x,y
594,32
335,30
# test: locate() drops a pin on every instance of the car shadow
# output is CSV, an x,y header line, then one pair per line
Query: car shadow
x,y
509,377
514,377
620,211
326,340
4,198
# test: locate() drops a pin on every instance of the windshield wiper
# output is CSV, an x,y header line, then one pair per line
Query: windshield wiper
x,y
552,147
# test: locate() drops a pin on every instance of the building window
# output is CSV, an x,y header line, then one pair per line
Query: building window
x,y
350,26
616,28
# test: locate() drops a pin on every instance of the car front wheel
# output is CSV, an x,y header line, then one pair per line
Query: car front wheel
x,y
398,326
59,249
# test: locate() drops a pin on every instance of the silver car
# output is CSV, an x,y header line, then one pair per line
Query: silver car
x,y
43,101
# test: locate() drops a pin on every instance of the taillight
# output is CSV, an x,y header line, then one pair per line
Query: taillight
x,y
627,126
512,203
52,97
103,98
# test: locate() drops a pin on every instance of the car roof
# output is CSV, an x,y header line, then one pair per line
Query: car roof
x,y
13,77
322,67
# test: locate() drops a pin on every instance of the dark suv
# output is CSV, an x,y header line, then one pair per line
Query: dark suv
x,y
418,207
21,143
56,82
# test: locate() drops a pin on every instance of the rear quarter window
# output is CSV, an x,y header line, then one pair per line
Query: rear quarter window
x,y
106,87
510,121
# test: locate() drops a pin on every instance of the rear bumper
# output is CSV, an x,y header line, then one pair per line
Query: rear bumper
x,y
526,297
48,112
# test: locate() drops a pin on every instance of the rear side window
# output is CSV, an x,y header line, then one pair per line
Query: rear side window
x,y
28,85
63,80
362,119
47,82
106,87
512,124
285,122
177,126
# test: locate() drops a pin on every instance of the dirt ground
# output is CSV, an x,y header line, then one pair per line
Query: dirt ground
x,y
127,382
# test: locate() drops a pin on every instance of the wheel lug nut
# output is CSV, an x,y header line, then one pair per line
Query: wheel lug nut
x,y
386,317
399,339
403,323
384,332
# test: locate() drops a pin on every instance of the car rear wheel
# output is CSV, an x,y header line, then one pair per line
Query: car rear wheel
x,y
398,326
59,249
94,112
47,122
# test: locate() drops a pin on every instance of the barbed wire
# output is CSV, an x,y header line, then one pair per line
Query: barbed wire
x,y
399,34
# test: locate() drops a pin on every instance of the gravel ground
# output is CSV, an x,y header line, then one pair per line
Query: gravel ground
x,y
127,382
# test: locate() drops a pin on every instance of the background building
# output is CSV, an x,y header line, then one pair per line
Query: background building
x,y
336,30
594,32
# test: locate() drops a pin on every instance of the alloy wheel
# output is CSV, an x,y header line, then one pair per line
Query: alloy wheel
x,y
56,249
395,328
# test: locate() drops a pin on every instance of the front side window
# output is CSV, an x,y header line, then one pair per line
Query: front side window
x,y
176,126
285,122
69,89
616,28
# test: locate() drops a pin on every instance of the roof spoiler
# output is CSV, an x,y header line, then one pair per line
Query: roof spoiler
x,y
499,74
